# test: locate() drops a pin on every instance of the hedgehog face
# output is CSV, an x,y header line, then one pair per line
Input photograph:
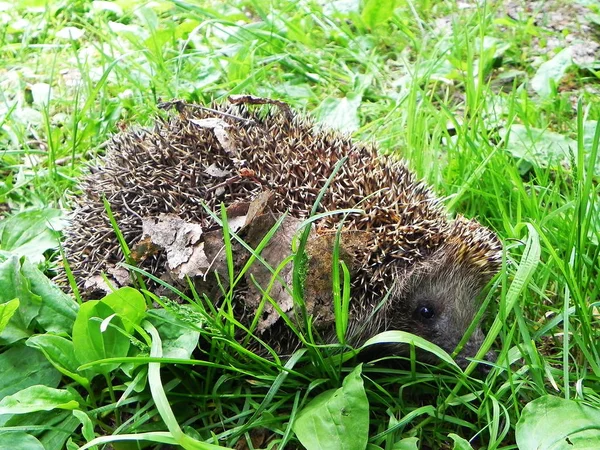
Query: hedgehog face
x,y
438,302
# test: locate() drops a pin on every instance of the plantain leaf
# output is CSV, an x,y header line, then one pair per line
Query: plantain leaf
x,y
377,12
336,419
31,233
37,398
554,423
551,72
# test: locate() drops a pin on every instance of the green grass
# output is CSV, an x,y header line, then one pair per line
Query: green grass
x,y
429,81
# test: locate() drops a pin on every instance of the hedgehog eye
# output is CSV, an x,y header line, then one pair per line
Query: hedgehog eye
x,y
425,312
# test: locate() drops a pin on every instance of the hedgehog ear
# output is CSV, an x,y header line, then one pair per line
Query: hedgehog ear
x,y
475,245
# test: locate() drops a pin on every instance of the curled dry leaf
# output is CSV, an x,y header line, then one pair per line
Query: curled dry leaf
x,y
219,127
181,241
97,283
116,276
214,171
254,100
319,284
120,275
259,206
275,252
254,220
258,436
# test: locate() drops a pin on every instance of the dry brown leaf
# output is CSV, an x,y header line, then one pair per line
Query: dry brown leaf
x,y
143,249
116,276
195,253
120,275
219,127
259,206
278,249
318,286
214,171
258,436
182,242
96,283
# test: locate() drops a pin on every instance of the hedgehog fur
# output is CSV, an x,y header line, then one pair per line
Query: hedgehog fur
x,y
430,268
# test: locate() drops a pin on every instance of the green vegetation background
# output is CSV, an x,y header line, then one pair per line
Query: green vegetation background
x,y
494,103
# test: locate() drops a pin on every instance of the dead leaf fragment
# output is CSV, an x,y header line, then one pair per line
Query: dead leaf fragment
x,y
259,206
258,437
143,249
254,100
219,127
275,252
318,286
120,275
214,171
117,277
181,241
96,283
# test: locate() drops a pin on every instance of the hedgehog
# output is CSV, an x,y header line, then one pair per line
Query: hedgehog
x,y
411,266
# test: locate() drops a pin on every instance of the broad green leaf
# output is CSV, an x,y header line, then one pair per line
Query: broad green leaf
x,y
551,72
13,332
56,437
53,427
147,16
91,344
158,40
178,340
403,337
14,285
553,423
589,130
61,353
377,12
537,147
58,311
340,113
498,46
336,419
7,310
22,367
37,398
31,233
40,301
87,428
411,443
19,440
129,304
460,443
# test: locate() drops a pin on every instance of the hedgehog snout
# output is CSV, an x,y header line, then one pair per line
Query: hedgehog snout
x,y
442,301
470,349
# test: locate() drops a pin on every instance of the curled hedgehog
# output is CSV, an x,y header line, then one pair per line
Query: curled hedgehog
x,y
412,267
